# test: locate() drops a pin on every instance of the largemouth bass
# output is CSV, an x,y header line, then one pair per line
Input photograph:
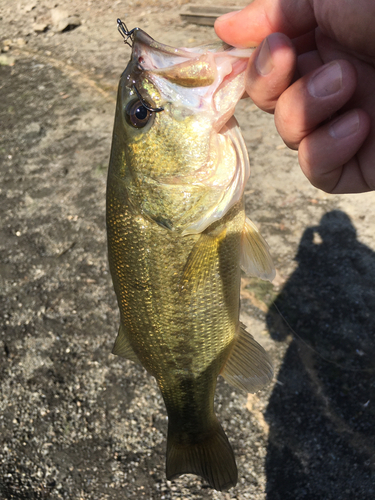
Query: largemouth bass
x,y
178,237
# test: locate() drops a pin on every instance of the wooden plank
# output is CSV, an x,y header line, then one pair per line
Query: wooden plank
x,y
205,14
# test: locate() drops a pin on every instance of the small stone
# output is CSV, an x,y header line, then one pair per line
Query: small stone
x,y
40,27
32,128
6,60
62,20
20,42
58,15
68,24
30,6
6,45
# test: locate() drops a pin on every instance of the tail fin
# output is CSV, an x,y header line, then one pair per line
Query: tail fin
x,y
210,457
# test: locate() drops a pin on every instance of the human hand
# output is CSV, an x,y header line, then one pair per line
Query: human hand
x,y
316,72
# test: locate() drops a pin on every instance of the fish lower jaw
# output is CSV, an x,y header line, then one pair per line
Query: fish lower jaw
x,y
227,125
225,122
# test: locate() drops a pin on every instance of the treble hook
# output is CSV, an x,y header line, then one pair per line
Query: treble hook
x,y
125,33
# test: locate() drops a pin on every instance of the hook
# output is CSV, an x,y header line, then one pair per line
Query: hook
x,y
144,104
125,33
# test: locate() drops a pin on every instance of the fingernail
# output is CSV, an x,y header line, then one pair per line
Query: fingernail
x,y
224,17
263,63
345,126
327,82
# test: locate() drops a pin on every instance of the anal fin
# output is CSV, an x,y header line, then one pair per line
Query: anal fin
x,y
249,367
122,346
255,257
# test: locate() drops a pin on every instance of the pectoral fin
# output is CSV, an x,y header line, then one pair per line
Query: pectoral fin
x,y
255,258
201,260
249,367
122,346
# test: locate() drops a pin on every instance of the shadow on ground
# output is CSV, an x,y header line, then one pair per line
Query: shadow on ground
x,y
322,411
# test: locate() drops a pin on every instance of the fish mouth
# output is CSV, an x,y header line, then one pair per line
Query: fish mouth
x,y
176,64
208,79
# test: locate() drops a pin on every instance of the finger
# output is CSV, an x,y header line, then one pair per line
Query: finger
x,y
248,27
305,42
313,99
308,62
328,155
270,72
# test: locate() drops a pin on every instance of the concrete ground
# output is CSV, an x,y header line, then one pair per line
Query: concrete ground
x,y
77,422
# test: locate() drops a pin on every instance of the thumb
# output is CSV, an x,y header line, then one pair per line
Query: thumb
x,y
248,27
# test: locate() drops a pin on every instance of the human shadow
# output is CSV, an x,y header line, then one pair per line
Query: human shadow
x,y
322,410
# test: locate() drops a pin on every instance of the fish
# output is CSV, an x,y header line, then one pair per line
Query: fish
x,y
178,237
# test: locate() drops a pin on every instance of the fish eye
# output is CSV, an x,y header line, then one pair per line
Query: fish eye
x,y
136,114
